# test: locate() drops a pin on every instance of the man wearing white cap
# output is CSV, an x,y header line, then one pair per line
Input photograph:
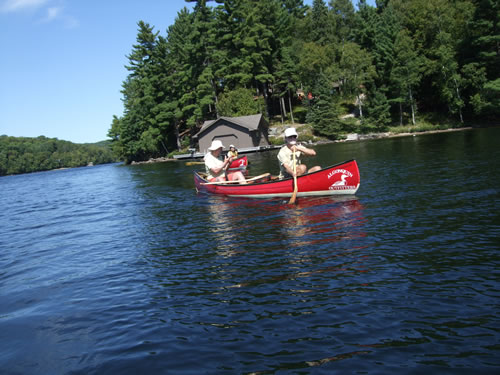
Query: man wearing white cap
x,y
285,156
215,167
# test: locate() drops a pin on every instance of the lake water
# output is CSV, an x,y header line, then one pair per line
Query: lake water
x,y
126,270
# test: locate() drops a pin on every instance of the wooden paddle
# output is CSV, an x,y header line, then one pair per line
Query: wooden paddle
x,y
235,182
194,162
295,188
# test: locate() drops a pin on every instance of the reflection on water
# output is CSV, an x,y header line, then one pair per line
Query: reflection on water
x,y
314,231
310,221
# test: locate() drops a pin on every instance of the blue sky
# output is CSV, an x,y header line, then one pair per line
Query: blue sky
x,y
62,63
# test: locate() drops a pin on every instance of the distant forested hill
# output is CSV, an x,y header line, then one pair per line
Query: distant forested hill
x,y
25,155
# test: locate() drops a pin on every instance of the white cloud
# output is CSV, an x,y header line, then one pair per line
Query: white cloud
x,y
57,13
52,13
45,12
71,22
9,6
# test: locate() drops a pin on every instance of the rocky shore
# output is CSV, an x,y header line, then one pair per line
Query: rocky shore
x,y
362,137
153,160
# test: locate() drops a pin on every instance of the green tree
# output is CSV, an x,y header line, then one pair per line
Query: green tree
x,y
284,59
481,54
321,26
286,79
323,112
356,72
376,33
25,155
202,45
378,111
450,80
312,59
344,20
181,82
139,95
406,73
240,102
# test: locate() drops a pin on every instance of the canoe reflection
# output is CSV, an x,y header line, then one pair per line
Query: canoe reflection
x,y
243,225
321,220
275,242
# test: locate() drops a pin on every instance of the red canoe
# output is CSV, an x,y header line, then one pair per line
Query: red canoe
x,y
339,179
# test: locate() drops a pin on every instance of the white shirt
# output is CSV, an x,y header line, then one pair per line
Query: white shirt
x,y
285,156
210,163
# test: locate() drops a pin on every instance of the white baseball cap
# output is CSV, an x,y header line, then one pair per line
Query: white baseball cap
x,y
216,144
289,132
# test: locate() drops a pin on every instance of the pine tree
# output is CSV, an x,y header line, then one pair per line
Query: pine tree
x,y
139,96
376,32
323,111
406,73
286,78
344,20
321,27
284,61
181,106
203,45
378,110
481,54
450,82
357,72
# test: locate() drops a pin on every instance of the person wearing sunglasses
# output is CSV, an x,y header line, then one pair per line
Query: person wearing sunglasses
x,y
285,156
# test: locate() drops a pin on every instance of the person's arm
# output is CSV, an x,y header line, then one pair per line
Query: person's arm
x,y
215,166
304,150
217,170
289,168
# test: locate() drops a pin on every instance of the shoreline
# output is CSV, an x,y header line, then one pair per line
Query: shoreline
x,y
364,137
354,137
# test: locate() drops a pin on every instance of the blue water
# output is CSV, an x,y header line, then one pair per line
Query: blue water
x,y
125,269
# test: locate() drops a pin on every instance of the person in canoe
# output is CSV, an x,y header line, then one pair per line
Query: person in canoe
x,y
216,168
233,152
285,156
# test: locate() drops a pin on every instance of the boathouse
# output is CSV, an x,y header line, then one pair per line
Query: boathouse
x,y
245,132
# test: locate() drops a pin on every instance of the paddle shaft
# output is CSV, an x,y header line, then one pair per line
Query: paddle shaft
x,y
295,187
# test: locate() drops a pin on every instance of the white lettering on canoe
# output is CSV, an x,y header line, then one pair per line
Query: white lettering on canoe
x,y
341,187
343,171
